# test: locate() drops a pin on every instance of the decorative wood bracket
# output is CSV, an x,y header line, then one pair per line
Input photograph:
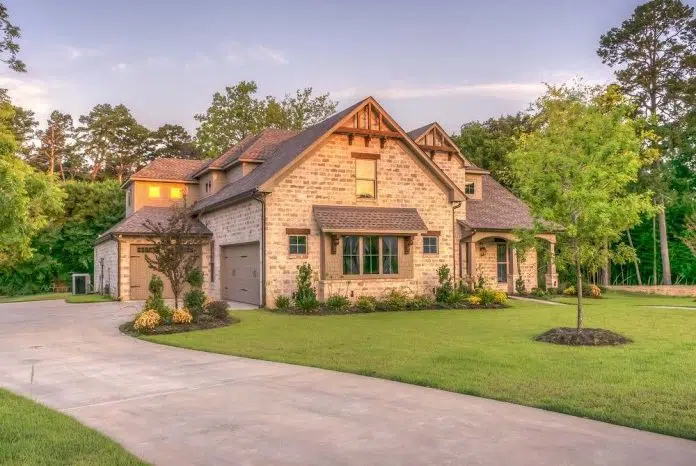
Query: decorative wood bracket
x,y
334,243
382,142
350,139
367,141
408,242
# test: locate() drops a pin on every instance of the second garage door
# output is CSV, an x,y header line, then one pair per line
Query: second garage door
x,y
240,273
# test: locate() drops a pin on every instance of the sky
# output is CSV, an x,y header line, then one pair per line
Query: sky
x,y
448,61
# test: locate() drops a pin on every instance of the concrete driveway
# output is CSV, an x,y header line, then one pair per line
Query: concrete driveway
x,y
175,406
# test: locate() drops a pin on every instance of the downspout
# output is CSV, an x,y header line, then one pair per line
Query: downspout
x,y
455,206
118,271
261,197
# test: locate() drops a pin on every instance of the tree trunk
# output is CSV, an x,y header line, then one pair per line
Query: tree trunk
x,y
635,260
579,290
654,277
664,248
604,275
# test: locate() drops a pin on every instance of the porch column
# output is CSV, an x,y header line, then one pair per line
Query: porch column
x,y
511,267
471,254
551,275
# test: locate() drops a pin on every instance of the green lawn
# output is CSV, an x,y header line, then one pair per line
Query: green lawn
x,y
33,434
88,298
33,297
649,384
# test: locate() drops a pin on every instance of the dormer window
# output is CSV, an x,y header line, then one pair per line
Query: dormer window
x,y
366,178
153,192
470,188
176,193
208,186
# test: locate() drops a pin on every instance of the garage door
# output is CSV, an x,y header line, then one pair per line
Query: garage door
x,y
240,273
141,273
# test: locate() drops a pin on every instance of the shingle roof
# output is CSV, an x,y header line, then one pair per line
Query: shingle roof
x,y
170,169
498,209
135,223
371,219
418,132
275,160
253,147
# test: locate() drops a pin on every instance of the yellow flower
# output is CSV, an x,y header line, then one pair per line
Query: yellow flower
x,y
182,316
147,321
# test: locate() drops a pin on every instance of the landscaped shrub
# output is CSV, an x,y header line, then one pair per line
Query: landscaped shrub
x,y
155,301
456,298
338,303
218,310
445,289
421,302
539,293
520,286
595,291
147,321
195,298
366,304
474,300
394,301
305,296
181,316
487,296
282,302
499,297
570,291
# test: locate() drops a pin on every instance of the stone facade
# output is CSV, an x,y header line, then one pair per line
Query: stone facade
x,y
666,290
106,267
327,177
239,223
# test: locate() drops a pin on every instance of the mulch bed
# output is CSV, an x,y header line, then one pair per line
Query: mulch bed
x,y
166,329
585,337
325,311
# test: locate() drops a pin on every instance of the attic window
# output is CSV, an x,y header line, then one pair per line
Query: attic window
x,y
366,178
153,191
176,193
470,188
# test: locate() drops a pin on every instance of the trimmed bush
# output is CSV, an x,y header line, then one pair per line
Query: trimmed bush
x,y
474,300
147,321
444,291
595,291
487,296
181,316
155,301
394,301
194,300
499,297
338,303
218,310
366,304
195,278
282,302
570,291
421,302
305,296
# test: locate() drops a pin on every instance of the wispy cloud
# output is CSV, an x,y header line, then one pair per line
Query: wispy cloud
x,y
33,94
78,53
267,54
238,54
120,67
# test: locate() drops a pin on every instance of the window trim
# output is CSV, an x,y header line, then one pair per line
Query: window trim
x,y
297,245
473,188
437,244
373,180
504,262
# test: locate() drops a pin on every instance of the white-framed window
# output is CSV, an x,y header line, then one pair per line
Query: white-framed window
x,y
430,244
470,188
298,244
366,178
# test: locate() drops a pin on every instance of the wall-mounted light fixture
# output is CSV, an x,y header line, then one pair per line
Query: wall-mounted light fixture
x,y
482,251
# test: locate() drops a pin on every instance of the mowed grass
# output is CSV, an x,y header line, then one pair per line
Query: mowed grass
x,y
31,434
649,384
33,297
88,298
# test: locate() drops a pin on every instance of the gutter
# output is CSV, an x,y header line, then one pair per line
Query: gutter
x,y
232,200
455,206
262,199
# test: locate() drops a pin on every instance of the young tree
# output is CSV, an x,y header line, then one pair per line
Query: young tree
x,y
175,248
654,54
689,238
9,48
575,171
239,113
23,127
56,144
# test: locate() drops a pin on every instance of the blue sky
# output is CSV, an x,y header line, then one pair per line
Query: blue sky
x,y
450,61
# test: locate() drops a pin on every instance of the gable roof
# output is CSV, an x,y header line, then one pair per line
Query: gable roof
x,y
498,209
169,170
353,219
418,133
254,147
282,157
134,224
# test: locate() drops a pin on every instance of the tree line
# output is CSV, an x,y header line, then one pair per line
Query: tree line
x,y
653,56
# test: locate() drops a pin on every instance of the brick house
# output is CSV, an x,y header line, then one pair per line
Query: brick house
x,y
369,206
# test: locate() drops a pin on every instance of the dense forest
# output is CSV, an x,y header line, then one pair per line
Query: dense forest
x,y
60,178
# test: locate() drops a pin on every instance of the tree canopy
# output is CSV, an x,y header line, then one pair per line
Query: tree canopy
x,y
238,113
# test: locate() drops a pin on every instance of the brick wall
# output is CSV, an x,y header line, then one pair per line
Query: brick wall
x,y
327,177
108,251
239,223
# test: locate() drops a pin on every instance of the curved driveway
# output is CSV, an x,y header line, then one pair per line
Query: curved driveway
x,y
174,406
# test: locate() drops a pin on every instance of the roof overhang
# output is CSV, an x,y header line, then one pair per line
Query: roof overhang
x,y
369,220
157,180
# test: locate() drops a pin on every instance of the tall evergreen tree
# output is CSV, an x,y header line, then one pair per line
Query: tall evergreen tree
x,y
171,141
56,144
654,57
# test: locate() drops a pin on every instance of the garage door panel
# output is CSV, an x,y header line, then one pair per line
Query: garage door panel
x,y
240,273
